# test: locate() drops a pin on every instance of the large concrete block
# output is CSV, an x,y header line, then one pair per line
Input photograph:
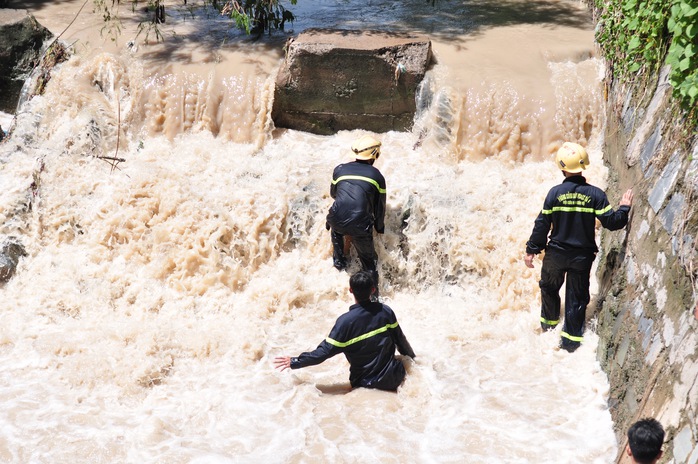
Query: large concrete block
x,y
335,80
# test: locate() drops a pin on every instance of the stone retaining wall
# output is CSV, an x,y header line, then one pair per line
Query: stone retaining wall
x,y
647,305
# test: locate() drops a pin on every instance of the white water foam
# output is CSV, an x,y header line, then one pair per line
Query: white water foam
x,y
142,323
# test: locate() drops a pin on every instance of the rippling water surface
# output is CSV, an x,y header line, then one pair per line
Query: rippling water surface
x,y
142,323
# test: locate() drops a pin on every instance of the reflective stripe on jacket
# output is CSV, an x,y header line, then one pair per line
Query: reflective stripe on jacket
x,y
359,194
572,208
368,335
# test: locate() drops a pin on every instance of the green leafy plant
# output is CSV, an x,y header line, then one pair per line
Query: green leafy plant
x,y
683,52
257,16
253,16
632,34
112,25
638,36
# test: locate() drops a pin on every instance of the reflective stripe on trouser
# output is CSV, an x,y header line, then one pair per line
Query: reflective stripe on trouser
x,y
363,244
545,324
577,268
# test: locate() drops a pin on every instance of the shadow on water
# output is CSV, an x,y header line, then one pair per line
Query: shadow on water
x,y
35,5
447,20
451,21
211,36
177,49
492,13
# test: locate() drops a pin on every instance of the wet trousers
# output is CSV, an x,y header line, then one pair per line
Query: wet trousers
x,y
389,379
576,268
363,244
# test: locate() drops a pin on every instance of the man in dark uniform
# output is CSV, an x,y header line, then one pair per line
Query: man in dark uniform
x,y
367,335
359,195
571,208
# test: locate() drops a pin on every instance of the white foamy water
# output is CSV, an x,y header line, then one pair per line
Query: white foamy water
x,y
142,324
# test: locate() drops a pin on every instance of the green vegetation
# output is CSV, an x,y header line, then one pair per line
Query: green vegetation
x,y
639,36
254,16
683,52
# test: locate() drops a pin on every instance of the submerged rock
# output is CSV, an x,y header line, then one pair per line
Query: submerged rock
x,y
10,252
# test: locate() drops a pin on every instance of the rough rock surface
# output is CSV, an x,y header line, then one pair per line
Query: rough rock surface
x,y
21,39
21,42
10,252
335,80
648,295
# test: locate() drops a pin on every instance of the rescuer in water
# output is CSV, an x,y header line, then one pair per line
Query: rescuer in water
x,y
571,208
359,195
367,335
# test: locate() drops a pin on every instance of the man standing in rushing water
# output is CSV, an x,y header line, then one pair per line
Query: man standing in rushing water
x,y
359,195
571,208
367,335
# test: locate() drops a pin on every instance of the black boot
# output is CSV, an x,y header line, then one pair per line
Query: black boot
x,y
569,346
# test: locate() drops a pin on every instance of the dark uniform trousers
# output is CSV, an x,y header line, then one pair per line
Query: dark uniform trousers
x,y
576,266
363,244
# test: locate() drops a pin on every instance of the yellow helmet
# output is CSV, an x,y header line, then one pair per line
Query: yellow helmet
x,y
572,157
366,148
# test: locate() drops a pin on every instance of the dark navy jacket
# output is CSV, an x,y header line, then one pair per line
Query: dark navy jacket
x,y
359,196
367,335
572,209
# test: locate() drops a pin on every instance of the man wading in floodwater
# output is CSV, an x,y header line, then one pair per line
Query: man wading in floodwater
x,y
367,335
572,209
359,196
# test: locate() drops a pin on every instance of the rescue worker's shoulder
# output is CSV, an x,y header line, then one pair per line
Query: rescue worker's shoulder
x,y
340,167
595,192
387,309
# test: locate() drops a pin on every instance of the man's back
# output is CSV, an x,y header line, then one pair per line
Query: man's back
x,y
368,335
359,193
572,208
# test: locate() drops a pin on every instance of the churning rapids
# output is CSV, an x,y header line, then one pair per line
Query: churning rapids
x,y
141,325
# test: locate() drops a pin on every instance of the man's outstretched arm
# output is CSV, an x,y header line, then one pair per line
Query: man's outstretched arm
x,y
282,363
